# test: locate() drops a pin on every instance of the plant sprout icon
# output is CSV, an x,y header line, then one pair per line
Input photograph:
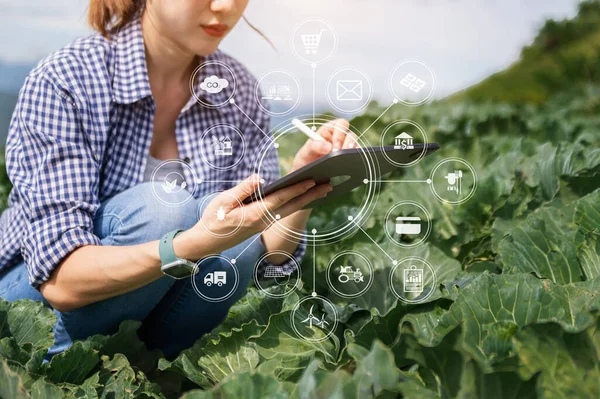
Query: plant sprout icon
x,y
169,187
312,319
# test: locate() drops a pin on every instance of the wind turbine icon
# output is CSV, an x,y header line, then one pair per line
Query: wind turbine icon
x,y
311,318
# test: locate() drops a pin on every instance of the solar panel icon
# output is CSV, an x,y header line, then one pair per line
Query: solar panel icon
x,y
275,272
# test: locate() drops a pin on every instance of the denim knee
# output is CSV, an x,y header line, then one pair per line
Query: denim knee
x,y
136,216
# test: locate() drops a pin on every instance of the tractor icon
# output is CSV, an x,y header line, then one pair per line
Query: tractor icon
x,y
347,273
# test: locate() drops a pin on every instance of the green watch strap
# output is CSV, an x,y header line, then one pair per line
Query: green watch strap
x,y
165,248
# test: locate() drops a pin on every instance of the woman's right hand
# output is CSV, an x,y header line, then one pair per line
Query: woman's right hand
x,y
231,221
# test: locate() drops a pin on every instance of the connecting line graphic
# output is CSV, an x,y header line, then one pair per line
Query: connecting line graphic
x,y
394,261
314,293
314,90
234,260
379,117
199,181
232,101
428,181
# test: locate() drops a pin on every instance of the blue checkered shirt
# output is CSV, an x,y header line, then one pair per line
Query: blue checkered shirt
x,y
81,133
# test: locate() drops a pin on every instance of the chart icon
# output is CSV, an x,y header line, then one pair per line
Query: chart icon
x,y
413,279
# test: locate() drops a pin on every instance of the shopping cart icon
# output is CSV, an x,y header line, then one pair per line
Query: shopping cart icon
x,y
311,42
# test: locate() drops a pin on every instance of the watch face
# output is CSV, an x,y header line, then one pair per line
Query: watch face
x,y
179,269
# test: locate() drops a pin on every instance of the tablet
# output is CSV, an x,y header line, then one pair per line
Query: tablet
x,y
347,169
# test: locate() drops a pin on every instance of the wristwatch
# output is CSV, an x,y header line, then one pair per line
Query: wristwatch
x,y
172,265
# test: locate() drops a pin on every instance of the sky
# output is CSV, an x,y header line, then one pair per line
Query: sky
x,y
463,41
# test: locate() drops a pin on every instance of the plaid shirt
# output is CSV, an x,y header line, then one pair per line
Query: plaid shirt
x,y
81,133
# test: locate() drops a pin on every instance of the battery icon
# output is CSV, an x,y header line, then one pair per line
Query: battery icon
x,y
413,279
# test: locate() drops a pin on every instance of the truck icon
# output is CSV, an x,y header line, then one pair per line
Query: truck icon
x,y
218,278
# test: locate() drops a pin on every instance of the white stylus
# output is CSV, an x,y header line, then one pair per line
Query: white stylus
x,y
306,130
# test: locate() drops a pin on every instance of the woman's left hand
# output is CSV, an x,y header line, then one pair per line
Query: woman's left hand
x,y
336,137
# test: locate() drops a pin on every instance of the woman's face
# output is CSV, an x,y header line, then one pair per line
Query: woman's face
x,y
197,26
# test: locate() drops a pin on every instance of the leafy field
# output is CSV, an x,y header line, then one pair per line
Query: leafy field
x,y
516,313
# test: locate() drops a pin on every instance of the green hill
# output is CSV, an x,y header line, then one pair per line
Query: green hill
x,y
564,54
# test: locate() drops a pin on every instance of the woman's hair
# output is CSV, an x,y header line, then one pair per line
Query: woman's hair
x,y
108,16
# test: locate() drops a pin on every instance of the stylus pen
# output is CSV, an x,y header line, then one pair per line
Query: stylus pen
x,y
306,130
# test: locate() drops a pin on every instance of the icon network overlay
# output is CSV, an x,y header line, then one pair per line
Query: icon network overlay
x,y
218,278
349,90
173,186
413,83
311,319
222,146
279,92
214,84
455,181
220,214
275,272
409,225
311,42
404,141
347,273
413,280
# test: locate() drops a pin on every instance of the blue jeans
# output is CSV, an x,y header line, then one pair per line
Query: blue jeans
x,y
173,315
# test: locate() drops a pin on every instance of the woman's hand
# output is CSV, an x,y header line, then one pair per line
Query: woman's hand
x,y
336,137
231,223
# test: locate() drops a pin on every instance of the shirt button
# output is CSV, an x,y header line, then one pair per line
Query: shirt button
x,y
187,160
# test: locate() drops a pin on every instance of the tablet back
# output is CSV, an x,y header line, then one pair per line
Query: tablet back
x,y
347,169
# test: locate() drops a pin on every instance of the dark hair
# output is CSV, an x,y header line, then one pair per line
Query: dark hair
x,y
108,16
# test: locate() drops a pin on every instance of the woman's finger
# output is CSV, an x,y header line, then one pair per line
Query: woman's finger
x,y
340,131
301,201
351,141
279,198
234,196
332,128
317,149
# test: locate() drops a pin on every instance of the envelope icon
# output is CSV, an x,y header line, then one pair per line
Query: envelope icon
x,y
349,90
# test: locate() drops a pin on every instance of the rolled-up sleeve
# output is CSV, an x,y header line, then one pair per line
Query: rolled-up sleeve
x,y
268,168
51,164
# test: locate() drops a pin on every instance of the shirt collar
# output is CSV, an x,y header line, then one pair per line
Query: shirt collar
x,y
131,83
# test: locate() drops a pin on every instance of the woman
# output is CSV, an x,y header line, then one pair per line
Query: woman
x,y
92,121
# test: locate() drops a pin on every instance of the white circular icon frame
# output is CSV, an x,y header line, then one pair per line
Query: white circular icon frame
x,y
238,159
473,188
429,224
190,193
419,128
264,290
199,98
412,103
368,284
202,209
224,297
257,91
302,57
354,110
329,333
410,260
